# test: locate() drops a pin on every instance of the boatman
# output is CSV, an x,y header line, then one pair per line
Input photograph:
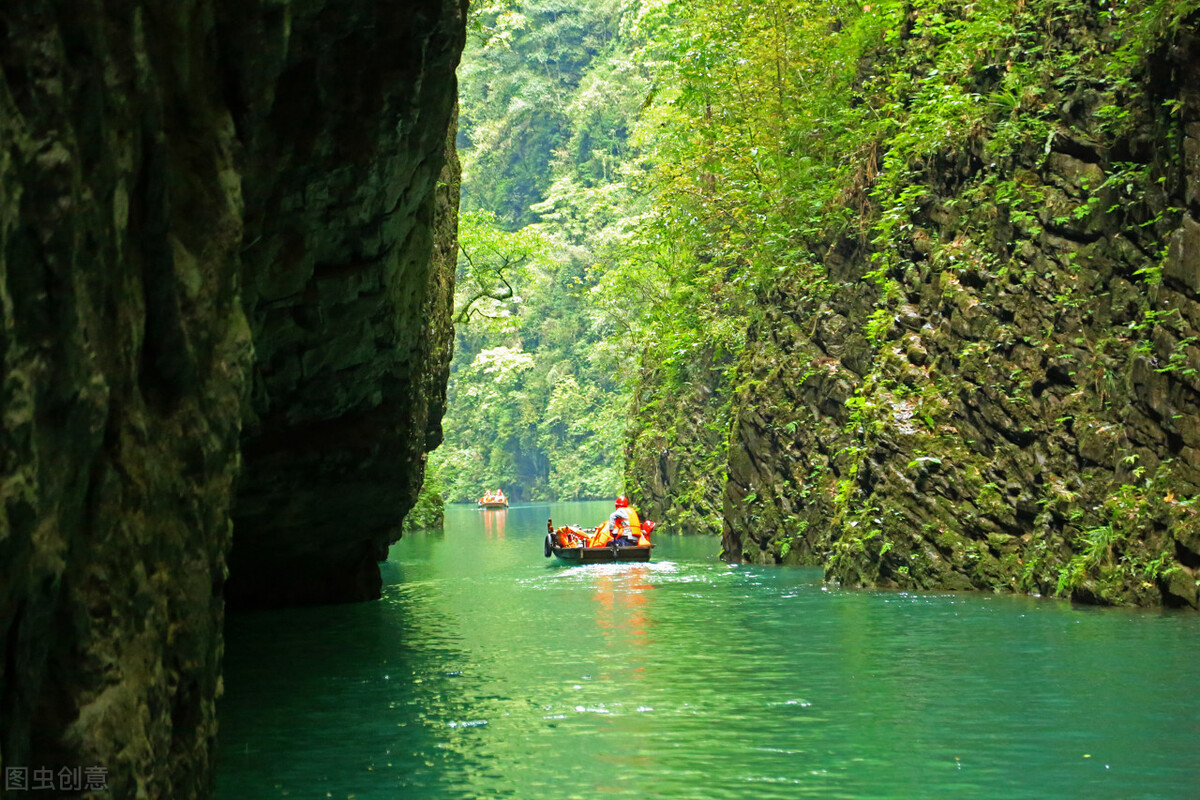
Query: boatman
x,y
624,523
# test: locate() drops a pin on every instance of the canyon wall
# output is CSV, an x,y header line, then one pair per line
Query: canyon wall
x,y
225,274
1000,392
344,115
676,442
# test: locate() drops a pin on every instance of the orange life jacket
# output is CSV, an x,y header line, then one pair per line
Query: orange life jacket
x,y
600,538
570,537
628,524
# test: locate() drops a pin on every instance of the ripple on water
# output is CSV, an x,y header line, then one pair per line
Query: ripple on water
x,y
686,677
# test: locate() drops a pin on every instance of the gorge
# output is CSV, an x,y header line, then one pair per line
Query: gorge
x,y
907,291
227,248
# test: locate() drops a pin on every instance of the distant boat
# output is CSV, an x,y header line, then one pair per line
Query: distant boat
x,y
582,554
493,501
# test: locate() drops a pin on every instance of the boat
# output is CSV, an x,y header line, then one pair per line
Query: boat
x,y
490,500
581,554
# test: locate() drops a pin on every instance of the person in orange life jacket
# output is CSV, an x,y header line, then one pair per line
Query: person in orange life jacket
x,y
624,523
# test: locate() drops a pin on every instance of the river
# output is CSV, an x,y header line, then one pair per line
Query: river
x,y
488,670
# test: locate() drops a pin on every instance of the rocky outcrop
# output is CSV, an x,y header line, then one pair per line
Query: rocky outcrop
x,y
344,147
216,225
676,443
1011,403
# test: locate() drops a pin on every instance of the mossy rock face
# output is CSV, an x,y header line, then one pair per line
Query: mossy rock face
x,y
676,444
348,289
1013,406
227,275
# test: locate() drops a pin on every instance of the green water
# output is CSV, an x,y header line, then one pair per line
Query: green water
x,y
489,671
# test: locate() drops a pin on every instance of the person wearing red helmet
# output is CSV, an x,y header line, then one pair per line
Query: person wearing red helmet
x,y
624,523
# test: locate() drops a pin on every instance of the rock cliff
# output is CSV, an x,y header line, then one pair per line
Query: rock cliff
x,y
676,442
344,120
1002,392
225,277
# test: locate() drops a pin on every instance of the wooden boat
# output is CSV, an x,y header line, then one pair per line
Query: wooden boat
x,y
592,555
493,501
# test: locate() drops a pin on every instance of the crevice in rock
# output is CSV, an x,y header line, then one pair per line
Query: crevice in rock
x,y
1187,557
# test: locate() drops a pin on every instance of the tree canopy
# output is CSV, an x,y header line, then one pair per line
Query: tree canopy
x,y
642,177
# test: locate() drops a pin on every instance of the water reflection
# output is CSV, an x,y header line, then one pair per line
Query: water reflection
x,y
621,598
489,671
494,520
359,684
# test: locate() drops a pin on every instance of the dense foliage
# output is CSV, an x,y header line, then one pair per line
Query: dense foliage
x,y
834,169
666,186
538,395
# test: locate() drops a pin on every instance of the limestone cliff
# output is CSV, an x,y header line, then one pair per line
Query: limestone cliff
x,y
343,116
216,229
676,443
1011,402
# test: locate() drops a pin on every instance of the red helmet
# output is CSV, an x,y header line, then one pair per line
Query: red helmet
x,y
622,502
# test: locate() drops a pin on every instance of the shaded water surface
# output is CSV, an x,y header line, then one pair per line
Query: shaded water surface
x,y
490,671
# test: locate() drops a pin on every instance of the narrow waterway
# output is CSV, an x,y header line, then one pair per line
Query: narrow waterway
x,y
489,671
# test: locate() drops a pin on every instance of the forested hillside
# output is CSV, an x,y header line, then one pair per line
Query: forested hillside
x,y
539,391
904,289
966,241
573,279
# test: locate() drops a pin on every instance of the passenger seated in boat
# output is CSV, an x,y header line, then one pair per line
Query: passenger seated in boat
x,y
570,536
624,525
647,526
493,497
